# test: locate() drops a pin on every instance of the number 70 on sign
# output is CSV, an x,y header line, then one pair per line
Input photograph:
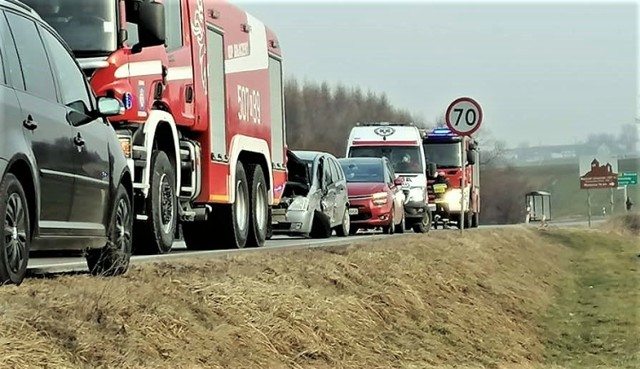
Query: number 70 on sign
x,y
464,116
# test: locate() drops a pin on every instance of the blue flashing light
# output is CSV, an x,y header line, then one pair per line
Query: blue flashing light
x,y
438,131
441,132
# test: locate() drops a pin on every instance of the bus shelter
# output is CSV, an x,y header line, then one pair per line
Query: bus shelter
x,y
538,205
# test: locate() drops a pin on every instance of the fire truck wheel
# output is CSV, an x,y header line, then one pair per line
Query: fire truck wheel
x,y
269,226
234,224
467,219
259,205
156,234
475,220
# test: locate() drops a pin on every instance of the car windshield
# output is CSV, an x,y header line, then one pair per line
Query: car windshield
x,y
405,159
444,154
362,172
88,26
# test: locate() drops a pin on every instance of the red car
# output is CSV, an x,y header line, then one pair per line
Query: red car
x,y
376,199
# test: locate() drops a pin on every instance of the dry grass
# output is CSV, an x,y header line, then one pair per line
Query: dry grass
x,y
625,224
433,301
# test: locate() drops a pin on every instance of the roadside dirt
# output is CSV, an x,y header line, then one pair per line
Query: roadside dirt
x,y
415,302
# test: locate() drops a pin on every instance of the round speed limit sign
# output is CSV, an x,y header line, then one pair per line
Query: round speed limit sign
x,y
464,116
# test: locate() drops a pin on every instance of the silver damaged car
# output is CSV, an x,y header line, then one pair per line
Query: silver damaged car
x,y
315,200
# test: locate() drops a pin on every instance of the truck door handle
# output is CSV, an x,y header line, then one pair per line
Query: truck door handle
x,y
29,123
78,140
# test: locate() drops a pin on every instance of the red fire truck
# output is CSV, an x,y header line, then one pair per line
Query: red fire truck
x,y
442,147
202,120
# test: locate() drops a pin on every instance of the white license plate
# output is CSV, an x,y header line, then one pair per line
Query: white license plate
x,y
353,211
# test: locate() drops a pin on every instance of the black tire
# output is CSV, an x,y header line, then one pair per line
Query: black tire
x,y
234,222
391,227
320,226
14,209
423,226
156,234
114,258
467,219
344,229
269,226
259,207
475,220
400,228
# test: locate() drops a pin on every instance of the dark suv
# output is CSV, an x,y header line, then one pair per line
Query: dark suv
x,y
64,183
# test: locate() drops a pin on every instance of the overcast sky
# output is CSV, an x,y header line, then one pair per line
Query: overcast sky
x,y
544,72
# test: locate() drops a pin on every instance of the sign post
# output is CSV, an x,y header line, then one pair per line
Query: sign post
x,y
464,118
626,179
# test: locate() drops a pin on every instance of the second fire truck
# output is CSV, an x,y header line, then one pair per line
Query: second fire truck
x,y
443,148
202,122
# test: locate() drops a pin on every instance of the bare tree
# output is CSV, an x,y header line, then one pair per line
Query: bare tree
x,y
492,150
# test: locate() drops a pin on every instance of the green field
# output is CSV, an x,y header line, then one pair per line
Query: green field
x,y
594,322
567,199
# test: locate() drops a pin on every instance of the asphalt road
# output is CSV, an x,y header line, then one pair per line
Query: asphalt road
x,y
63,264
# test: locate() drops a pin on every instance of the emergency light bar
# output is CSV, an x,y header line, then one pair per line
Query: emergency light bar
x,y
441,132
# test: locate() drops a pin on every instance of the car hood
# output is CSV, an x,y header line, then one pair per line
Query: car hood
x,y
364,188
297,169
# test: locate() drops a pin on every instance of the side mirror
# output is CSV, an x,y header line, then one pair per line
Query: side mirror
x,y
398,181
108,106
472,157
431,170
151,25
78,114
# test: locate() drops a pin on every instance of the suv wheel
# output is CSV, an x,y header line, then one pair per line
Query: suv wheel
x,y
14,246
113,259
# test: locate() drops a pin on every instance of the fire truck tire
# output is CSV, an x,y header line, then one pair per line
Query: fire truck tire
x,y
259,205
467,219
155,236
233,223
269,226
475,220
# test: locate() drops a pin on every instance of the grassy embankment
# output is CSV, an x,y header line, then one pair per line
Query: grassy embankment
x,y
498,298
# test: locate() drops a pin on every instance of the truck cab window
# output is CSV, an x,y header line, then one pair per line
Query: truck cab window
x,y
173,18
89,27
72,81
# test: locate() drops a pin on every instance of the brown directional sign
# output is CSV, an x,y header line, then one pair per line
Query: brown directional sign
x,y
598,171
